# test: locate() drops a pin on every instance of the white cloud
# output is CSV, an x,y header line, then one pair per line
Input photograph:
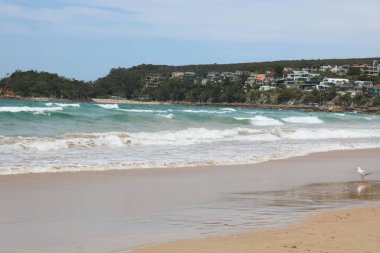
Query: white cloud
x,y
322,22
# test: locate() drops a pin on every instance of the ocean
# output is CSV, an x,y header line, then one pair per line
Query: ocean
x,y
38,136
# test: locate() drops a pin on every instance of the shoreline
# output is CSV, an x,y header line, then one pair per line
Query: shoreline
x,y
344,230
199,166
306,108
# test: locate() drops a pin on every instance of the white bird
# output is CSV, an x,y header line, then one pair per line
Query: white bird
x,y
362,172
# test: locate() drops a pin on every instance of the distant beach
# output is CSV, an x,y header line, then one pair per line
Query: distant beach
x,y
302,107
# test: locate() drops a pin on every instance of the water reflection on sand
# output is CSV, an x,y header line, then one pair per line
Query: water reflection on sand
x,y
257,210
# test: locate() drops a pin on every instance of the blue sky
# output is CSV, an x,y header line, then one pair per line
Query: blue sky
x,y
84,39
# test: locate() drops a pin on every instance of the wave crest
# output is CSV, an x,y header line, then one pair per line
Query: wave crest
x,y
303,120
108,106
16,109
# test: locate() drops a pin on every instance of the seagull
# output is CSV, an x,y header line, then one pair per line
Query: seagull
x,y
362,172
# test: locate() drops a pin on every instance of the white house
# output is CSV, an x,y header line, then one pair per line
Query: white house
x,y
335,81
178,74
325,68
340,70
298,77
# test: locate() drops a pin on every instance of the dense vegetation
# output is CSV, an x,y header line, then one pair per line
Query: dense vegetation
x,y
127,83
43,84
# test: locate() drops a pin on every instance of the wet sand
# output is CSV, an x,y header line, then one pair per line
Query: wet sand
x,y
355,230
112,211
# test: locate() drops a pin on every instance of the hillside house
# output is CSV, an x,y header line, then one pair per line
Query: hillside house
x,y
376,90
325,68
300,77
152,81
178,74
340,70
340,82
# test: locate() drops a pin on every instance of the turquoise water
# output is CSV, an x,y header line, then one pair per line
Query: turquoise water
x,y
49,137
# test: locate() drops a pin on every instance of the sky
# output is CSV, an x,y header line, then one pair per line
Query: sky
x,y
85,39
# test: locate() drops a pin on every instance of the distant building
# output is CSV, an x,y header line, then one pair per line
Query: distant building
x,y
310,69
363,84
152,81
189,74
178,74
340,70
287,70
374,70
335,81
250,82
266,88
325,68
260,79
376,90
367,69
300,77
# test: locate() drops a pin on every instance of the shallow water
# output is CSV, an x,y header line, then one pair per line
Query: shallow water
x,y
250,211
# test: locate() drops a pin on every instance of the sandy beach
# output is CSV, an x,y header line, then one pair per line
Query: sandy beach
x,y
353,230
113,211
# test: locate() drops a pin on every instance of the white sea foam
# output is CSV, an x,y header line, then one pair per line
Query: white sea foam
x,y
184,137
205,111
228,109
67,105
108,106
340,114
143,110
303,120
29,109
192,136
324,133
168,116
67,141
262,121
62,104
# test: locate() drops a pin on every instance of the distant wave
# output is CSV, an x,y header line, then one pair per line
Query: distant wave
x,y
168,116
29,109
108,106
144,110
205,111
228,109
262,121
62,104
303,120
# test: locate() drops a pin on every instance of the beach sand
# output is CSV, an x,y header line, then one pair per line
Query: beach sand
x,y
344,231
111,211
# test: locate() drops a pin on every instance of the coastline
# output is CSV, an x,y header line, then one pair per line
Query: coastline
x,y
110,211
305,108
349,230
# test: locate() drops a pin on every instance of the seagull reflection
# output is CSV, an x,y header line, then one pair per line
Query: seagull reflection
x,y
361,187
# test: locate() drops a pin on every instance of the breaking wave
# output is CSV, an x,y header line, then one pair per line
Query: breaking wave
x,y
303,120
143,110
262,121
15,109
184,137
62,104
168,116
108,106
